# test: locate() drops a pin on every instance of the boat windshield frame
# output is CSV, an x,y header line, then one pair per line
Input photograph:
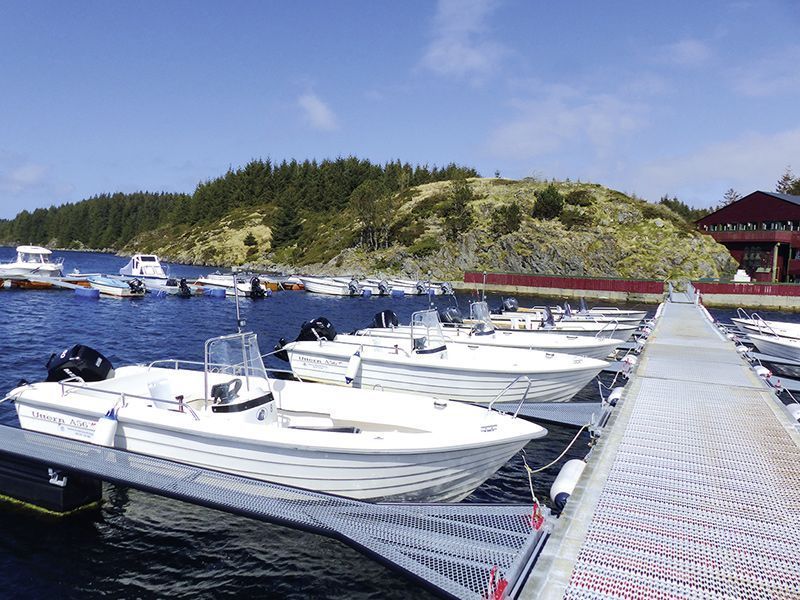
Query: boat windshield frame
x,y
426,331
480,313
236,354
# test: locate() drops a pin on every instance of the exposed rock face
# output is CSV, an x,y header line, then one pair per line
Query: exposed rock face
x,y
601,233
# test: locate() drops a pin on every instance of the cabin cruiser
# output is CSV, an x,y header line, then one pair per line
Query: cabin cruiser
x,y
31,261
144,266
425,362
226,414
484,333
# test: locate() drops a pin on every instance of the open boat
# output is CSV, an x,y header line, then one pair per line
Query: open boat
x,y
547,323
246,286
333,286
226,414
775,345
424,362
117,287
484,333
31,260
596,312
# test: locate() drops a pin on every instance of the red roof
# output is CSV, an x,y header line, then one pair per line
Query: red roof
x,y
757,207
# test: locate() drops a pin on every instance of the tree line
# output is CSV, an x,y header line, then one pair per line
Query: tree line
x,y
295,189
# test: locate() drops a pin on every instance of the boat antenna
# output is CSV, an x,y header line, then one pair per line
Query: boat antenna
x,y
483,292
240,322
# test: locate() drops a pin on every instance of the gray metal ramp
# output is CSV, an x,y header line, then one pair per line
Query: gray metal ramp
x,y
450,548
694,488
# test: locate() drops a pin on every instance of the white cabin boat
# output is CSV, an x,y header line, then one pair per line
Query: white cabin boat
x,y
144,266
424,363
230,417
31,261
483,333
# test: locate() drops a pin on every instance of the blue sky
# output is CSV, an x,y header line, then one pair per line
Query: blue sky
x,y
680,98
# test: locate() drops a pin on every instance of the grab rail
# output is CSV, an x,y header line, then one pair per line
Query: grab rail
x,y
123,397
505,389
767,327
613,322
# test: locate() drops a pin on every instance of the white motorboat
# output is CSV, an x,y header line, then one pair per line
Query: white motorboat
x,y
225,414
509,310
117,287
774,345
174,287
144,266
246,287
377,287
484,333
596,312
410,287
31,261
423,362
333,286
755,324
588,328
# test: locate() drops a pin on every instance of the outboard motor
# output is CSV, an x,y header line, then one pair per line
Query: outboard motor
x,y
447,289
548,322
79,361
422,288
450,315
384,289
384,320
184,291
510,304
567,309
137,287
256,291
318,329
354,287
171,282
582,309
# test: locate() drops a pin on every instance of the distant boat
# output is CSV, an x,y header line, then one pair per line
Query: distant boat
x,y
333,286
117,287
31,260
174,287
251,287
144,266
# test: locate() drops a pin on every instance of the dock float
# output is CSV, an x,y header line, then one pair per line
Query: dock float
x,y
693,489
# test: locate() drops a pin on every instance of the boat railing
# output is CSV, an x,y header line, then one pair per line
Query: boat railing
x,y
395,347
124,396
761,323
614,323
508,387
742,314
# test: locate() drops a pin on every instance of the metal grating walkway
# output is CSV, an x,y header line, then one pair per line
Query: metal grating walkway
x,y
694,490
450,548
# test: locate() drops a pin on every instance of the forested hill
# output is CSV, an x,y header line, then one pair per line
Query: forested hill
x,y
286,196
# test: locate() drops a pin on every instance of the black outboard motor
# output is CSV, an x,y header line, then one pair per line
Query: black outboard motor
x,y
137,287
171,282
79,361
318,329
450,315
548,322
256,291
384,289
510,304
354,287
184,291
384,320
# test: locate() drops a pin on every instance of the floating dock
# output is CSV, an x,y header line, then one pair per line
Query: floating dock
x,y
693,490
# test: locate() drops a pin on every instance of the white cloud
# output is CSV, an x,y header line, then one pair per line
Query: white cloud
x,y
461,46
22,177
775,74
750,162
317,113
686,53
564,118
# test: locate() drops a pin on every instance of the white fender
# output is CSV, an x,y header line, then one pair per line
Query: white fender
x,y
615,395
105,430
741,349
630,359
352,368
565,482
762,371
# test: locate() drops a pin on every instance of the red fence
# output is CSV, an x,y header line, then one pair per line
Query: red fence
x,y
749,289
639,286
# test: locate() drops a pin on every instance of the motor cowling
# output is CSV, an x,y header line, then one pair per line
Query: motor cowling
x,y
384,288
256,291
447,289
79,361
510,304
310,331
184,291
137,287
354,287
384,320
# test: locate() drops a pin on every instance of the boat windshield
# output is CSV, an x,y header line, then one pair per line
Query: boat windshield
x,y
237,355
479,312
30,257
426,330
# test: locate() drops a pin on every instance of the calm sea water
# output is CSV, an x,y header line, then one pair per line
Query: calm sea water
x,y
138,545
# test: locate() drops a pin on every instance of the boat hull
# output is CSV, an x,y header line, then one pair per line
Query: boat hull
x,y
775,346
320,285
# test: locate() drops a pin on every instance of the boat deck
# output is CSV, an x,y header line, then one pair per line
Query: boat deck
x,y
693,491
449,548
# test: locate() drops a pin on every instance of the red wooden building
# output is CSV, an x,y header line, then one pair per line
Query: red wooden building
x,y
762,233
